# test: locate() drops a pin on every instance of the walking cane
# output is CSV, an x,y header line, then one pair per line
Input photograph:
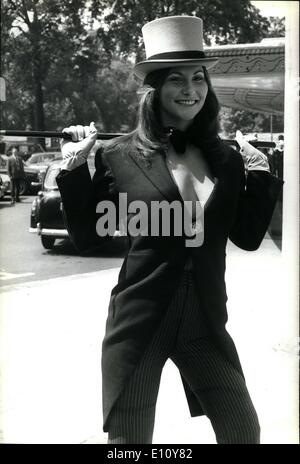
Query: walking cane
x,y
53,134
110,135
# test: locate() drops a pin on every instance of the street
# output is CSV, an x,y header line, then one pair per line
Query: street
x,y
23,258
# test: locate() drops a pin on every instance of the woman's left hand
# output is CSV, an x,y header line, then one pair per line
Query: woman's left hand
x,y
253,158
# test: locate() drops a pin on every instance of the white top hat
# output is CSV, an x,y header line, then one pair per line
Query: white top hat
x,y
171,41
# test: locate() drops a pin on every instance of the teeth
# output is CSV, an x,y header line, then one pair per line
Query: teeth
x,y
186,102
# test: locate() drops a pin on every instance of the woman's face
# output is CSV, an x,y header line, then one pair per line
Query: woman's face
x,y
182,96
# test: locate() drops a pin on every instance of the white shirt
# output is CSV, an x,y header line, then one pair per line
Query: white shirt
x,y
191,173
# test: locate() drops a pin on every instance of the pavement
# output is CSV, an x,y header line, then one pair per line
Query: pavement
x,y
51,334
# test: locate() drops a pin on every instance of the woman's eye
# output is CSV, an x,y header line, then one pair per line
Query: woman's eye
x,y
198,78
179,79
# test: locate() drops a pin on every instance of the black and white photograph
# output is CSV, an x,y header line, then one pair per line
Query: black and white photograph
x,y
149,221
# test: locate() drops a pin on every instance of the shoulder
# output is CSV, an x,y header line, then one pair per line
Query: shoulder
x,y
118,146
121,143
112,151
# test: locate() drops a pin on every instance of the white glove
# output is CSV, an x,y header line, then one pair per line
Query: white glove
x,y
254,159
76,152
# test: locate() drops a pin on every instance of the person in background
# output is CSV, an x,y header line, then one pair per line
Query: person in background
x,y
170,299
278,155
15,170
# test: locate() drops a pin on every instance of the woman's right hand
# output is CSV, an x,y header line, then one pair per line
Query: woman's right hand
x,y
75,152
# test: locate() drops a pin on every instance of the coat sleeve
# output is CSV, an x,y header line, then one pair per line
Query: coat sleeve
x,y
259,192
80,195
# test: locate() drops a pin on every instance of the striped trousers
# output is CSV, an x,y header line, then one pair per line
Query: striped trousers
x,y
184,337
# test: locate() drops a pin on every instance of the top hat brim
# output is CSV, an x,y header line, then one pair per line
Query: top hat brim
x,y
145,67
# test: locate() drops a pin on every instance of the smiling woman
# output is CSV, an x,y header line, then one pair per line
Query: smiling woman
x,y
170,299
182,96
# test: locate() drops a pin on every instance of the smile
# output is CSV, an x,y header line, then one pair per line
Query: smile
x,y
187,102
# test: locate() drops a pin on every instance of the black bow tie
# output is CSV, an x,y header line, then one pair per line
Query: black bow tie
x,y
179,139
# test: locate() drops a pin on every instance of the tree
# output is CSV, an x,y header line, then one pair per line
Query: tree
x,y
247,121
36,37
73,81
32,30
276,27
225,22
59,70
115,96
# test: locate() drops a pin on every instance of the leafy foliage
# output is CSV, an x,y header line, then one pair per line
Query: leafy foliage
x,y
232,119
226,22
70,61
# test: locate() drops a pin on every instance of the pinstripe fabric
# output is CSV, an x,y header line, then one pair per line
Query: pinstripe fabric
x,y
184,337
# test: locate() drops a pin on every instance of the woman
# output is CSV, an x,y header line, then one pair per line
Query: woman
x,y
170,300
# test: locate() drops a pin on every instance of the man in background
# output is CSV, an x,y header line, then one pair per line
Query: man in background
x,y
15,170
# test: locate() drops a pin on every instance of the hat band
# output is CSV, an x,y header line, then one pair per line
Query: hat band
x,y
182,55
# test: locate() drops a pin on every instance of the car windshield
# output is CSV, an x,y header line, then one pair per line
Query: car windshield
x,y
50,179
33,159
44,158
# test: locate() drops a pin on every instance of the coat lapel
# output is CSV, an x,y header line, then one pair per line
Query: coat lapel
x,y
159,175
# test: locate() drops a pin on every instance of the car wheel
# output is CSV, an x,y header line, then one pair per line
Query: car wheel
x,y
23,187
47,242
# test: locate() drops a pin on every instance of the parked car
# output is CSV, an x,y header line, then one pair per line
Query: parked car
x,y
36,167
46,218
26,149
43,159
3,171
34,171
4,185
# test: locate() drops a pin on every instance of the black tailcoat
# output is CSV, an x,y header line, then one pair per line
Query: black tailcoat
x,y
238,208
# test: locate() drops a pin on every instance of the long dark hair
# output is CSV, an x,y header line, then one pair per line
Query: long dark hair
x,y
150,137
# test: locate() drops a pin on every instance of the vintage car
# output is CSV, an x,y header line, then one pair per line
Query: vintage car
x,y
36,166
26,148
34,171
46,217
4,185
42,159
